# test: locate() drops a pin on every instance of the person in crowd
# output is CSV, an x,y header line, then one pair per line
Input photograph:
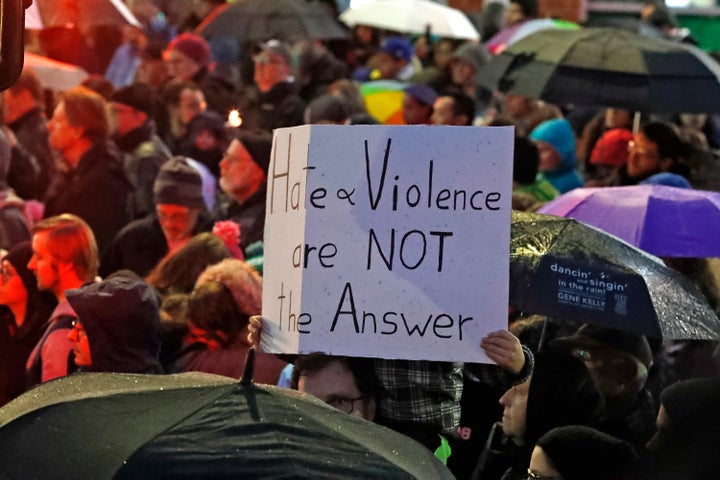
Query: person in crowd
x,y
24,113
23,312
126,58
593,129
152,68
346,383
559,392
178,271
118,326
326,109
243,174
218,311
15,217
94,185
556,143
610,153
64,256
189,60
317,69
453,108
181,102
654,149
619,363
350,93
417,104
133,109
688,432
525,113
205,140
464,69
179,213
272,101
526,160
577,451
393,60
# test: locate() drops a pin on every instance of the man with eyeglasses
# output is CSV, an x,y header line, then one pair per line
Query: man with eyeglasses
x,y
179,213
654,149
272,101
346,383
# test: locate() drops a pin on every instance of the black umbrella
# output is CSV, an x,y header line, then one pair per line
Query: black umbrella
x,y
260,20
571,271
190,426
607,67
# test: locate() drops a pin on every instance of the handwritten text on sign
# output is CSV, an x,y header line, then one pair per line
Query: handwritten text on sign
x,y
387,241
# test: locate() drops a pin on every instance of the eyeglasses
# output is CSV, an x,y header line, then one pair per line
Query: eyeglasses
x,y
536,476
344,404
633,148
78,328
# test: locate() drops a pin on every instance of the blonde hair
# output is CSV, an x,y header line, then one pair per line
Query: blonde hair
x,y
71,240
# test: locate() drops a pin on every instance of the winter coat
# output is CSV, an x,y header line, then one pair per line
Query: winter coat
x,y
279,107
96,190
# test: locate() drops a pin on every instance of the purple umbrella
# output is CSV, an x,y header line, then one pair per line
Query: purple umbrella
x,y
665,221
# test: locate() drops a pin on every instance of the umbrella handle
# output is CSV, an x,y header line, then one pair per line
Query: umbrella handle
x,y
247,378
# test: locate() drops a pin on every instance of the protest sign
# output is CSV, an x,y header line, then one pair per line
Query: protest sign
x,y
387,241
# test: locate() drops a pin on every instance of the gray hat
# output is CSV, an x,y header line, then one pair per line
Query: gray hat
x,y
279,48
177,183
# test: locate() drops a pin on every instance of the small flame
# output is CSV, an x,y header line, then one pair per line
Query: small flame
x,y
234,118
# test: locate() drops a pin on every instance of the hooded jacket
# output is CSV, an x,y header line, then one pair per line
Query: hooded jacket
x,y
559,134
121,317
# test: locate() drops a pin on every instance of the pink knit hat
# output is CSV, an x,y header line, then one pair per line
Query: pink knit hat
x,y
193,46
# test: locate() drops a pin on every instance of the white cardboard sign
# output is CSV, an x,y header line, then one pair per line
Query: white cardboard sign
x,y
387,241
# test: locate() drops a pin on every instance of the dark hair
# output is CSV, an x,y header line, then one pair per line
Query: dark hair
x,y
362,369
462,105
528,7
666,138
526,160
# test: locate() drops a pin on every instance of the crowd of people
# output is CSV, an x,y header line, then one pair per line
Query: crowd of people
x,y
132,221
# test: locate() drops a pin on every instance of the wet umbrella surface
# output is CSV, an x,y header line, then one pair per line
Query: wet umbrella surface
x,y
190,426
570,271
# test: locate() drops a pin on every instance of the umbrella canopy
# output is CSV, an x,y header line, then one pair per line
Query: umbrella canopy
x,y
83,13
55,75
186,426
514,33
383,100
571,271
412,16
665,221
260,20
607,67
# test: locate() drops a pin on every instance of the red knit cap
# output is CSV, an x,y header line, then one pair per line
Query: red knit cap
x,y
193,46
612,148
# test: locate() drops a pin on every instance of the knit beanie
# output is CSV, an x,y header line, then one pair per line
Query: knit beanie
x,y
559,134
138,96
562,392
178,183
612,148
193,46
692,406
258,143
580,452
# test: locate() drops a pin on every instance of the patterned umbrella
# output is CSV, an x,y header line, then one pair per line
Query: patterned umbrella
x,y
607,67
383,100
